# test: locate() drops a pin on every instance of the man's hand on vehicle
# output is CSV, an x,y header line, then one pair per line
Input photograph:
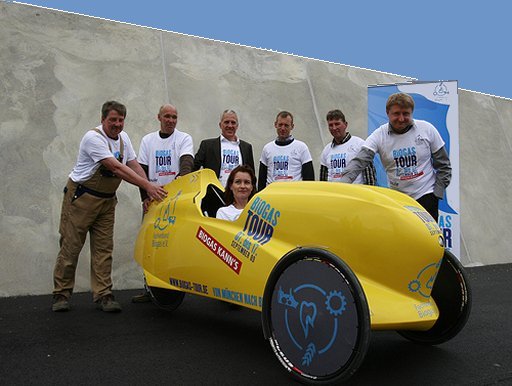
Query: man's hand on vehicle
x,y
156,192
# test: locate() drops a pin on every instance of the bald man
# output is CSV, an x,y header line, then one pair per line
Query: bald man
x,y
167,153
164,155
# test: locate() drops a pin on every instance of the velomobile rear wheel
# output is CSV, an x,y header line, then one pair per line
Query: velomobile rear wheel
x,y
164,298
315,316
452,295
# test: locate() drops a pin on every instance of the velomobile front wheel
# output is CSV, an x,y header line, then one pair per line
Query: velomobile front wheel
x,y
164,298
315,316
452,295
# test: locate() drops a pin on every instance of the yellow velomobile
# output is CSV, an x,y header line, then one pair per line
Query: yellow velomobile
x,y
325,263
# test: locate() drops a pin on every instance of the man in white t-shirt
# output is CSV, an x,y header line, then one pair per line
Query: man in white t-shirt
x,y
164,155
343,147
106,156
285,159
411,151
168,153
224,153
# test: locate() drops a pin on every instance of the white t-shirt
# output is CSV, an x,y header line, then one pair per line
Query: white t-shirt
x,y
229,213
162,155
407,157
284,163
230,158
94,148
336,158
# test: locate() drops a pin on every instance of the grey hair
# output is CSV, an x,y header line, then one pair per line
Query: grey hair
x,y
167,105
228,111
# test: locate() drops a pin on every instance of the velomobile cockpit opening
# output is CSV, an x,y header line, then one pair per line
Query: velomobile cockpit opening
x,y
212,201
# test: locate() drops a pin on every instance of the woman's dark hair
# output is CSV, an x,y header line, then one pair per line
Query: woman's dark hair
x,y
228,193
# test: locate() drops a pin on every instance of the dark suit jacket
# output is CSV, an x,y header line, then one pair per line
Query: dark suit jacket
x,y
208,155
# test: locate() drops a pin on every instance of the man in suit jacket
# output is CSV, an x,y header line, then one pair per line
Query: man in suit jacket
x,y
224,153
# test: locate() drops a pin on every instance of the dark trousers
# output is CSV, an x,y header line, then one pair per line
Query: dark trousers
x,y
431,203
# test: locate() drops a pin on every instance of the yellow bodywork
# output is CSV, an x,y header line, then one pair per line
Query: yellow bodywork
x,y
388,240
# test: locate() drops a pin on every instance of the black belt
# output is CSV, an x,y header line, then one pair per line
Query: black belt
x,y
80,189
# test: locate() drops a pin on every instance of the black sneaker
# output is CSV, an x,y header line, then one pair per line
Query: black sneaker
x,y
60,303
107,303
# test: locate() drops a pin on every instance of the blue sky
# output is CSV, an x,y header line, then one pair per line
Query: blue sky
x,y
427,40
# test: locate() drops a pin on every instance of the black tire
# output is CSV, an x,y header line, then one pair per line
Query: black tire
x,y
453,297
315,316
164,298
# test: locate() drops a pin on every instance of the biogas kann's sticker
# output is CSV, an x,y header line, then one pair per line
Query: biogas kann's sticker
x,y
426,218
219,250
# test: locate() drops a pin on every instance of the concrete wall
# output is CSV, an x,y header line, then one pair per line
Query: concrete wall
x,y
57,69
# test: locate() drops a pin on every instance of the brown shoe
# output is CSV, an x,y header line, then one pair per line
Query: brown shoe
x,y
60,303
107,303
141,298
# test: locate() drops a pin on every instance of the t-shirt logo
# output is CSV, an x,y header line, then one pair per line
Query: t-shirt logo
x,y
163,162
118,156
230,160
281,166
406,163
337,164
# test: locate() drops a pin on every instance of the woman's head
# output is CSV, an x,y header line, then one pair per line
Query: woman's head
x,y
241,185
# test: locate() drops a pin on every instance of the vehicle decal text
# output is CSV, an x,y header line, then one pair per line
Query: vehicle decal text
x,y
425,310
445,223
427,219
239,297
160,240
244,246
262,218
219,250
189,285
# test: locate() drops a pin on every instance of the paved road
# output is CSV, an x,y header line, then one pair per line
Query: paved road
x,y
207,342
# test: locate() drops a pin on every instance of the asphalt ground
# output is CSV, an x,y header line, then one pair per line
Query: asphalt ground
x,y
207,342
